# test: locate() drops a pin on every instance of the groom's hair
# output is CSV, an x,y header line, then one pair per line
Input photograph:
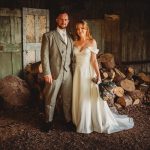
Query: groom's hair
x,y
62,12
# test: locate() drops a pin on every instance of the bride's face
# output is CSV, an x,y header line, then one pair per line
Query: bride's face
x,y
81,30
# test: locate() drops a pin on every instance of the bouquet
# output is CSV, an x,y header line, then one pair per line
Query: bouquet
x,y
105,89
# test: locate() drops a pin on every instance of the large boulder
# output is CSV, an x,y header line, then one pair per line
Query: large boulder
x,y
14,91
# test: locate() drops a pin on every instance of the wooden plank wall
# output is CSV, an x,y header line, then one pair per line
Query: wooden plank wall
x,y
134,23
10,42
97,29
135,34
134,29
35,23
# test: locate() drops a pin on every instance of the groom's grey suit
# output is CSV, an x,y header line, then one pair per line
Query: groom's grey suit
x,y
56,59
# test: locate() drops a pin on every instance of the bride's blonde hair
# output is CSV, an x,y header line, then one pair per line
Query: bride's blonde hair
x,y
85,25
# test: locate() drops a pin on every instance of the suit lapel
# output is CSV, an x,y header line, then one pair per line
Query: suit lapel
x,y
57,38
69,39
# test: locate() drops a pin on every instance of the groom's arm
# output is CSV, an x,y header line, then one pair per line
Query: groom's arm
x,y
45,49
73,62
72,58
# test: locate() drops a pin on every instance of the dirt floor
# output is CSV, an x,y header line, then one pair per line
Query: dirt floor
x,y
19,130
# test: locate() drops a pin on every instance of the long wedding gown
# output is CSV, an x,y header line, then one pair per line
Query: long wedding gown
x,y
89,111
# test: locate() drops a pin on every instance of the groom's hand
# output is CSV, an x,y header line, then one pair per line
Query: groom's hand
x,y
48,79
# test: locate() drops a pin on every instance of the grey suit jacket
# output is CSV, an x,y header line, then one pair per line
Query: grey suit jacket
x,y
52,50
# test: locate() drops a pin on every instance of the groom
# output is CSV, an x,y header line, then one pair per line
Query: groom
x,y
56,56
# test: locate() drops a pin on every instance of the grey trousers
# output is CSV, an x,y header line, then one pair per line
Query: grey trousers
x,y
63,83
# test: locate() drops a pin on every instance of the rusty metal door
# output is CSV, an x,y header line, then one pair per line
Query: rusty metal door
x,y
35,23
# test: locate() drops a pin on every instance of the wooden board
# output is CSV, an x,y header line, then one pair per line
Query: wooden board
x,y
10,42
112,36
16,63
5,64
96,27
35,23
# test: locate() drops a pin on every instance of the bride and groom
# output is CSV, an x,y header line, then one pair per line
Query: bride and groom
x,y
82,103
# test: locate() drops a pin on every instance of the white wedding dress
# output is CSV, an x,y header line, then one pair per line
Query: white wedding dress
x,y
89,111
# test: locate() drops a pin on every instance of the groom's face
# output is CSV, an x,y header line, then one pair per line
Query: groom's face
x,y
62,20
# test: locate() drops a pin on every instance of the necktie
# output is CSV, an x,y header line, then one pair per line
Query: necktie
x,y
64,37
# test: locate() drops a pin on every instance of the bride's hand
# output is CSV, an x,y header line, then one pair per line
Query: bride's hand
x,y
99,80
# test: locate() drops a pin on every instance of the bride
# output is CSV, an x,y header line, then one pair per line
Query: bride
x,y
89,111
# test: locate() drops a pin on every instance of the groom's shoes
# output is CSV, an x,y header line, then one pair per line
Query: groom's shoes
x,y
69,126
46,126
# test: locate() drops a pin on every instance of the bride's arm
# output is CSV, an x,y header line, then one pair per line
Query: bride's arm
x,y
73,58
95,66
94,62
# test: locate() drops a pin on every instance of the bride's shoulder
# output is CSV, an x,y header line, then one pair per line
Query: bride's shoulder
x,y
75,43
92,42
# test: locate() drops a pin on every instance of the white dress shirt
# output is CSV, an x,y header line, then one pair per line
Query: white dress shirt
x,y
63,34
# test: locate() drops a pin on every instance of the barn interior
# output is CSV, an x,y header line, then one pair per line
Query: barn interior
x,y
122,31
